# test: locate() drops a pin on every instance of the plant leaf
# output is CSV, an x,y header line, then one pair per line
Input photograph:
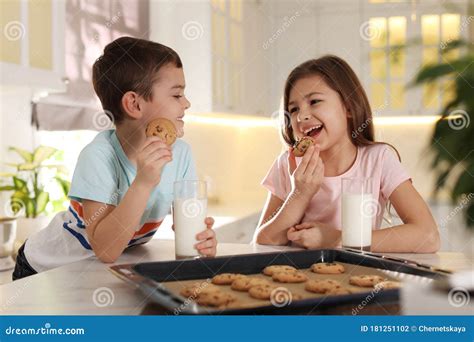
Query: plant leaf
x,y
60,168
41,201
27,156
42,153
19,201
27,166
65,185
432,72
30,209
7,188
19,184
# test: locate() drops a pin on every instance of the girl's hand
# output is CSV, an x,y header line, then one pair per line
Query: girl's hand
x,y
314,235
307,177
209,245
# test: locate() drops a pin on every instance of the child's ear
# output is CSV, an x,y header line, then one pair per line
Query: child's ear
x,y
131,105
349,113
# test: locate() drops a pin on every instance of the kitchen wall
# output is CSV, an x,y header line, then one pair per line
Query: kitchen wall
x,y
237,154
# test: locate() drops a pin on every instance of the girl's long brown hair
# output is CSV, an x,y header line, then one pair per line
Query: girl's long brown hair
x,y
341,78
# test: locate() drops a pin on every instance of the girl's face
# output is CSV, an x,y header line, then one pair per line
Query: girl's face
x,y
168,100
316,110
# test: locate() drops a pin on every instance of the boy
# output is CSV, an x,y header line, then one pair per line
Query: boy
x,y
122,186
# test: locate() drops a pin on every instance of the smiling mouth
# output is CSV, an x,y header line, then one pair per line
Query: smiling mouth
x,y
314,131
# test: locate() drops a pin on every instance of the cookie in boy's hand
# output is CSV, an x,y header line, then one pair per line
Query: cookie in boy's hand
x,y
162,128
302,145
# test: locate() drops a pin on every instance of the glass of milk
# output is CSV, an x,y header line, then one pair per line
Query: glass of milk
x,y
189,213
358,210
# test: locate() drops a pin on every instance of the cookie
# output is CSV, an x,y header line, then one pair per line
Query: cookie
x,y
215,299
195,289
338,291
245,283
365,280
225,278
289,277
261,291
322,285
327,268
302,145
388,285
269,270
162,128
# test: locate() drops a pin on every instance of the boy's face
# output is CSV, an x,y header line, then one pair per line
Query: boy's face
x,y
168,100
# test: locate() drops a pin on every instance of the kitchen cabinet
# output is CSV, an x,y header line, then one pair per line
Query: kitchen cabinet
x,y
220,44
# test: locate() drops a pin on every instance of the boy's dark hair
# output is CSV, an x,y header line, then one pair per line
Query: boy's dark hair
x,y
129,64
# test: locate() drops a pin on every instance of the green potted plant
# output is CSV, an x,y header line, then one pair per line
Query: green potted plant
x,y
30,187
452,140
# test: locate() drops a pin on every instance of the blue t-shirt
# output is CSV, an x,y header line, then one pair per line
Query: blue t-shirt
x,y
103,174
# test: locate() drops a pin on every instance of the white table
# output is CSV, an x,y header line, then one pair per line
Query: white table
x,y
69,290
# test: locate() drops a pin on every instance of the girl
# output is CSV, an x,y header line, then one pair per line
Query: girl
x,y
324,99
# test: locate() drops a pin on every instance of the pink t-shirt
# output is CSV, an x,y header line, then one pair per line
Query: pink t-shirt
x,y
376,161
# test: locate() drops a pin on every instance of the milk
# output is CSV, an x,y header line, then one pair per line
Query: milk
x,y
188,220
357,216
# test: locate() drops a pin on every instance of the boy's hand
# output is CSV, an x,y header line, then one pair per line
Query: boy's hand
x,y
307,177
153,156
314,235
209,245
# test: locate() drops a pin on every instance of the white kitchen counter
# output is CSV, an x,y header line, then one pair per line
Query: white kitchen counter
x,y
70,289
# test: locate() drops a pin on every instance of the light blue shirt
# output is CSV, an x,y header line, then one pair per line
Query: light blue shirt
x,y
103,174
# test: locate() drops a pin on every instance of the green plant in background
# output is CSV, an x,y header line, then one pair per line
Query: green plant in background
x,y
29,181
452,141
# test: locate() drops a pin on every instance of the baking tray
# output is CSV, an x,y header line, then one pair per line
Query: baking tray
x,y
157,280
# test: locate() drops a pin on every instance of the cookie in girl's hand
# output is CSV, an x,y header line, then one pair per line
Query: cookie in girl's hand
x,y
162,128
302,145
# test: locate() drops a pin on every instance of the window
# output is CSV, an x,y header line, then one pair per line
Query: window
x,y
425,30
436,30
227,53
387,63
